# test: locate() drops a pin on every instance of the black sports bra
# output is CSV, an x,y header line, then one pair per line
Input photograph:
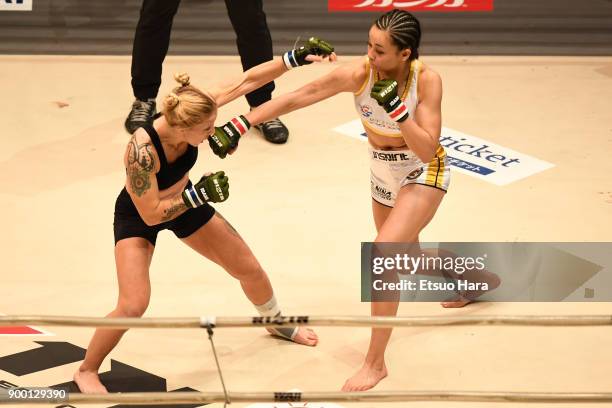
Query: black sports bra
x,y
170,173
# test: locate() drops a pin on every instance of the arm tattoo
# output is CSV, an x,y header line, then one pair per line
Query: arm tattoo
x,y
141,162
231,229
174,210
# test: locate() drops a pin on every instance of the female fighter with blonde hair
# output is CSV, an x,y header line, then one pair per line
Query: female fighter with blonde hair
x,y
158,195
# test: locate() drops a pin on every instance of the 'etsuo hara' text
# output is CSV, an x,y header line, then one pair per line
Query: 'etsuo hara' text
x,y
427,285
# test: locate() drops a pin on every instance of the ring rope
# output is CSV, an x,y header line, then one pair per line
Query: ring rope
x,y
210,332
345,321
163,398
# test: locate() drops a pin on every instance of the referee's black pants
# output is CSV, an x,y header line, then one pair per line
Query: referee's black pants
x,y
152,39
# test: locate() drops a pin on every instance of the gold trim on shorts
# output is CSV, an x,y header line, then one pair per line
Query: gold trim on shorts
x,y
436,173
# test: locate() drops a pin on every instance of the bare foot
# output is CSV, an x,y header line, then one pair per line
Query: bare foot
x,y
303,336
89,382
367,377
306,337
467,297
458,302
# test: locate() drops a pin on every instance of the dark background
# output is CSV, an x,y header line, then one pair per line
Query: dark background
x,y
516,27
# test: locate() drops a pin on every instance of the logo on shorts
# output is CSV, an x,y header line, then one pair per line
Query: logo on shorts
x,y
390,157
415,174
381,192
411,5
366,111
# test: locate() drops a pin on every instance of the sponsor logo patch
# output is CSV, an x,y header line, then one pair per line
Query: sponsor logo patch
x,y
381,192
415,174
366,111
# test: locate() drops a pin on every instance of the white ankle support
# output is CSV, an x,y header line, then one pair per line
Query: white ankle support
x,y
271,309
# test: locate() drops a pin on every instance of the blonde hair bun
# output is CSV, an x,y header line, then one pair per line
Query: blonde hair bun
x,y
171,101
187,106
182,78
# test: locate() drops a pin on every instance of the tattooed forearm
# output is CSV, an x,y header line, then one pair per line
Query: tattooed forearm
x,y
176,207
229,226
141,163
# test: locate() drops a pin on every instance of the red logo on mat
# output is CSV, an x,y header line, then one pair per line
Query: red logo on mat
x,y
18,330
411,5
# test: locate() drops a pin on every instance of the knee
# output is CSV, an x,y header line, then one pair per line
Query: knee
x,y
247,269
132,307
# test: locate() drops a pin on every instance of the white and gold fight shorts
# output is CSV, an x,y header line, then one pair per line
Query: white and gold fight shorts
x,y
391,170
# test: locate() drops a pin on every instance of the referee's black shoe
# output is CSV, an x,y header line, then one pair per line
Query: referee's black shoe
x,y
274,131
142,113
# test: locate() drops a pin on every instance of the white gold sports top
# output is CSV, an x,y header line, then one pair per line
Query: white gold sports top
x,y
372,115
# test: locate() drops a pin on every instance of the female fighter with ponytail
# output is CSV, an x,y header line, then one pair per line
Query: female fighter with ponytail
x,y
158,195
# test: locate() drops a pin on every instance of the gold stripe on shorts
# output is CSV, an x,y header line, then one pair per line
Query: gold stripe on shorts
x,y
435,172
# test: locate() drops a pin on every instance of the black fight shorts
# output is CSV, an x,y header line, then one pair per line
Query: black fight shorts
x,y
128,223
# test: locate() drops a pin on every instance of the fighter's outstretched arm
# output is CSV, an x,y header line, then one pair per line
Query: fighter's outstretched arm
x,y
315,50
346,78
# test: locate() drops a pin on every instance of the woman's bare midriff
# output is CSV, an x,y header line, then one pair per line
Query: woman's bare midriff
x,y
386,143
175,189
